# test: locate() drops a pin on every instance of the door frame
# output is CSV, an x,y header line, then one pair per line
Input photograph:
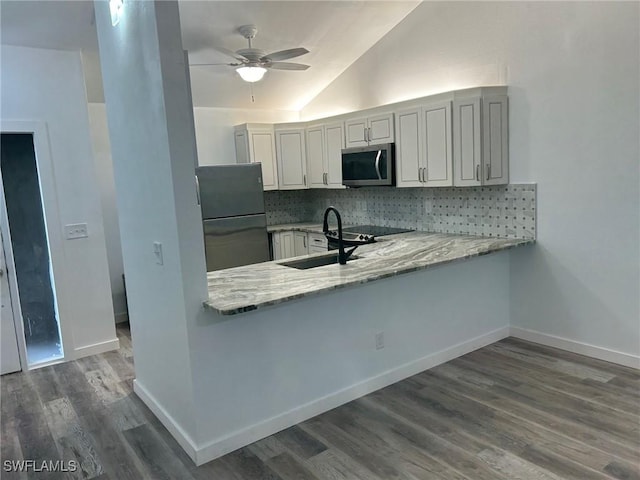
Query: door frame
x,y
5,264
55,239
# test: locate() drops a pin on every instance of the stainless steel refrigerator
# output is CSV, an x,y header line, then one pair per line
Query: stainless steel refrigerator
x,y
235,225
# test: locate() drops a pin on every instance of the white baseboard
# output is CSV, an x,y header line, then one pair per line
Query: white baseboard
x,y
96,348
221,446
183,439
594,351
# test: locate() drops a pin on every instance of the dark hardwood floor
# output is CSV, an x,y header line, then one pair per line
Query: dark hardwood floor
x,y
513,410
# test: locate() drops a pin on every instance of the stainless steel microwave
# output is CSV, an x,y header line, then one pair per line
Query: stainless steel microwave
x,y
373,165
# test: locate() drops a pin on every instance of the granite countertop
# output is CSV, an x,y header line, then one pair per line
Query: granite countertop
x,y
300,227
242,289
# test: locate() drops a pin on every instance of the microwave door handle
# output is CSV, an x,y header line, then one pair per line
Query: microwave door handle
x,y
378,164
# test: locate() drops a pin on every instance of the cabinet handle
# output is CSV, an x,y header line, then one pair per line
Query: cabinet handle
x,y
420,175
488,171
197,189
304,242
324,178
367,135
304,179
477,173
424,174
378,164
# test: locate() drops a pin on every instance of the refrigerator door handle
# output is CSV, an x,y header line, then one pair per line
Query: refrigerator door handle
x,y
197,189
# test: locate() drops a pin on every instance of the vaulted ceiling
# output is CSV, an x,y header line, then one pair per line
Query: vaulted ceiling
x,y
336,33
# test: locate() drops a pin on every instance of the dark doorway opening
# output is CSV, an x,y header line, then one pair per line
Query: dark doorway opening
x,y
30,247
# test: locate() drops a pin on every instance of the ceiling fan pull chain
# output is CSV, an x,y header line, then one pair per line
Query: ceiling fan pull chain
x,y
253,99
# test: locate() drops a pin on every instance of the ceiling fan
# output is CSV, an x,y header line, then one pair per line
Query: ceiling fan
x,y
252,63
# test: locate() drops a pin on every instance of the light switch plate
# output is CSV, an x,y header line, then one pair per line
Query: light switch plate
x,y
75,230
157,250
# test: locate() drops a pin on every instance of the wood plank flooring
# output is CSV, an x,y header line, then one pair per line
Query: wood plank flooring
x,y
512,410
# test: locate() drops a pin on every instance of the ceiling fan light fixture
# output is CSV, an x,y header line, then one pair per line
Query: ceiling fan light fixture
x,y
251,74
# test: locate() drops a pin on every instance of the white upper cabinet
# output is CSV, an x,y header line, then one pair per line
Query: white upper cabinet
x,y
242,146
409,158
316,157
292,160
438,144
324,155
423,146
370,130
458,138
255,143
334,143
495,138
480,140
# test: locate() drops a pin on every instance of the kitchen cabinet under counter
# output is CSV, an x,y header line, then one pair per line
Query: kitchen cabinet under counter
x,y
293,240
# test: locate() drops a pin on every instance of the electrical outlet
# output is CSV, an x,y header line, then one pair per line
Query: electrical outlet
x,y
379,340
75,230
157,251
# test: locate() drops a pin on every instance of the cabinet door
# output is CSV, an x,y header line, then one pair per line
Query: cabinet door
x,y
380,129
276,245
315,157
290,152
466,142
300,245
287,245
262,149
409,148
495,132
355,132
334,136
438,159
242,147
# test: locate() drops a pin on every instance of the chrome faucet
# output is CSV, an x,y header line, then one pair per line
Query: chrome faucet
x,y
342,255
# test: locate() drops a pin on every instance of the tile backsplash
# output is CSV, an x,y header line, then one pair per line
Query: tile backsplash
x,y
505,211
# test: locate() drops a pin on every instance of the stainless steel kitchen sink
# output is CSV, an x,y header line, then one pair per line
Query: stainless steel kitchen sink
x,y
313,262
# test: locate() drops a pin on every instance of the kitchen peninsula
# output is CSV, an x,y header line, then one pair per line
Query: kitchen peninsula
x,y
274,346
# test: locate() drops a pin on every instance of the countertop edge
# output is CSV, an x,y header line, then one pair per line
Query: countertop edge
x,y
393,273
297,227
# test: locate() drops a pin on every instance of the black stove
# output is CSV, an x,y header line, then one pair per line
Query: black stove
x,y
375,230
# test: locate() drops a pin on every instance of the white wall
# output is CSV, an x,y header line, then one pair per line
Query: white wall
x,y
104,167
573,75
48,86
214,130
153,146
262,371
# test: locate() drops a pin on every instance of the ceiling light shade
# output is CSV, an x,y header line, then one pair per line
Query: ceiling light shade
x,y
251,74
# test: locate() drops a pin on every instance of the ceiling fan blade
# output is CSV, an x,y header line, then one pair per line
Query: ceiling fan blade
x,y
210,64
285,54
287,66
230,53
